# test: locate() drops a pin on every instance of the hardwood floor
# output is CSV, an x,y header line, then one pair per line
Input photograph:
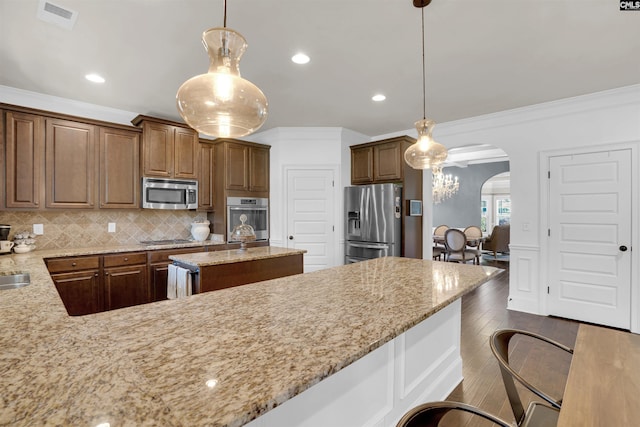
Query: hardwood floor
x,y
484,311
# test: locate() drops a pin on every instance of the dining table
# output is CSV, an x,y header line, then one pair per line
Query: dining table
x,y
603,385
471,241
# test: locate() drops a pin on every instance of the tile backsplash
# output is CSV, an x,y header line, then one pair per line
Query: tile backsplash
x,y
78,229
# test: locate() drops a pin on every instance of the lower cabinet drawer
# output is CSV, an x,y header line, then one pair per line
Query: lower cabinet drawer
x,y
58,265
125,258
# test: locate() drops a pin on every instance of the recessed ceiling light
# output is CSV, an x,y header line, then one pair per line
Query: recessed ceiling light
x,y
300,58
95,78
379,97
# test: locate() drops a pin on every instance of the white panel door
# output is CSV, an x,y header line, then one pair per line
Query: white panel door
x,y
311,217
590,237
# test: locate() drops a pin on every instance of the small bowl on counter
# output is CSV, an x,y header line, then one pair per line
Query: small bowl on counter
x,y
22,249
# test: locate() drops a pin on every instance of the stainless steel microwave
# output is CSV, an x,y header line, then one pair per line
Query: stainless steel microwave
x,y
163,193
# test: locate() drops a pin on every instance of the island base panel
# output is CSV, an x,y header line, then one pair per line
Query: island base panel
x,y
421,365
222,276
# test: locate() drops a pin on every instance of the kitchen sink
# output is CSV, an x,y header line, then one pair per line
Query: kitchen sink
x,y
12,281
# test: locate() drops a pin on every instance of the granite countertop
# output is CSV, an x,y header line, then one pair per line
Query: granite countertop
x,y
219,358
201,259
97,250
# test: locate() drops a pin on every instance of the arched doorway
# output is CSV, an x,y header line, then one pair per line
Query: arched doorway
x,y
495,202
473,166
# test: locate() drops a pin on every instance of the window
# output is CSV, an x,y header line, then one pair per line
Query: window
x,y
503,210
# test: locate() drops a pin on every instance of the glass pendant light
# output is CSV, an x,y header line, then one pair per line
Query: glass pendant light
x,y
220,103
425,153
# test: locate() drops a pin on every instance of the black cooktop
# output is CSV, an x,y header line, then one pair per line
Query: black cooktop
x,y
164,242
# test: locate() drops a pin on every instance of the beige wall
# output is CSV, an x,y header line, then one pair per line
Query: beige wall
x,y
77,229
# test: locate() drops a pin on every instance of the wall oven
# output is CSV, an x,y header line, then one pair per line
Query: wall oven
x,y
256,210
162,193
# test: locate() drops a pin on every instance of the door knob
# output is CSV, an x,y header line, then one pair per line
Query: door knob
x,y
623,248
290,237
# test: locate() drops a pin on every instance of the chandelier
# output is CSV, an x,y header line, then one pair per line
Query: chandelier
x,y
425,153
220,103
444,186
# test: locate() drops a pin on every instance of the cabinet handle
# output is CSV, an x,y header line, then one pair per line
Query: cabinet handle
x,y
106,274
73,264
96,275
126,259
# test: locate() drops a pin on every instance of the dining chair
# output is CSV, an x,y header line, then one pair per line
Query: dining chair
x,y
499,343
439,232
438,242
474,239
455,243
430,414
437,253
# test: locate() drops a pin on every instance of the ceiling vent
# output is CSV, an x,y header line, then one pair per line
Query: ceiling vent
x,y
56,14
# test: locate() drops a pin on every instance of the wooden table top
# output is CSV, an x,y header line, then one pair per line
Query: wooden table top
x,y
603,387
474,241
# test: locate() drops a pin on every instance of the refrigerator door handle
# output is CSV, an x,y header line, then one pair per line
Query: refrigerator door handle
x,y
368,245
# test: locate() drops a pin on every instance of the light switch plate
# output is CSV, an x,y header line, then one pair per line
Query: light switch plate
x,y
111,228
38,229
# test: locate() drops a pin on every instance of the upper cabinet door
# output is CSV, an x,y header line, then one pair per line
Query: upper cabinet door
x,y
205,177
185,157
388,161
362,165
237,165
70,164
259,169
168,149
157,150
24,160
119,169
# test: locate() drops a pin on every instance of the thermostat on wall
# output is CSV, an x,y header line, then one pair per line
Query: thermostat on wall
x,y
414,207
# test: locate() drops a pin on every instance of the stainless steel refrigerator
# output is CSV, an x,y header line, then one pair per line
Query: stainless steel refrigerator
x,y
373,221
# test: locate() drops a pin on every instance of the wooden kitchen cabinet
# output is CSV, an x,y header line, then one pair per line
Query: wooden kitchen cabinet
x,y
259,169
379,162
78,282
119,168
388,161
24,150
243,167
125,280
80,292
2,161
90,284
70,164
361,165
241,170
57,161
205,177
158,262
169,149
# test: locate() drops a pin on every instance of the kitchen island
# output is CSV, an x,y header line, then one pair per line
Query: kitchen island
x,y
225,269
228,357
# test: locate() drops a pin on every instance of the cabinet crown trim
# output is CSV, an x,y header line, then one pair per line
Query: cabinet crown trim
x,y
142,118
405,138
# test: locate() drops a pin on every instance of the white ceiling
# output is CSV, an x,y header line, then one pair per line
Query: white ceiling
x,y
481,56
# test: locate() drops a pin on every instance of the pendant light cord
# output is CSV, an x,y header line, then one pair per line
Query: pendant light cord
x,y
224,2
424,78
